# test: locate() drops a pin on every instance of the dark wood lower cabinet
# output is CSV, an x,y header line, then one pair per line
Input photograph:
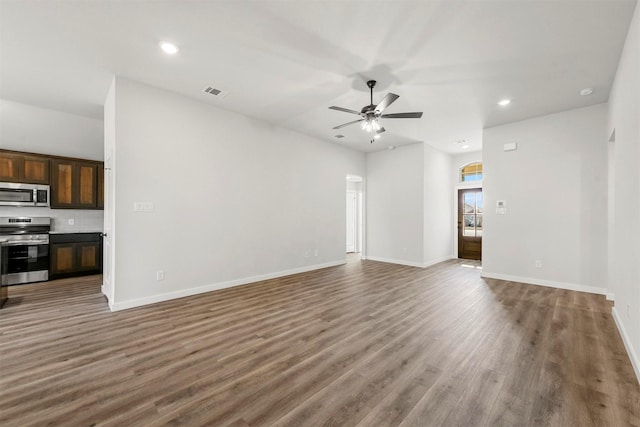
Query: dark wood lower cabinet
x,y
75,254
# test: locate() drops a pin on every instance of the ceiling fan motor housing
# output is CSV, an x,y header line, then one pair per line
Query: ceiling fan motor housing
x,y
368,110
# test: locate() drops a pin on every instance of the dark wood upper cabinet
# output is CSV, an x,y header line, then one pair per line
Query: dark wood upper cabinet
x,y
26,168
74,184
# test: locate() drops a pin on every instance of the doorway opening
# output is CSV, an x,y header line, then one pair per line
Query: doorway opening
x,y
354,216
470,214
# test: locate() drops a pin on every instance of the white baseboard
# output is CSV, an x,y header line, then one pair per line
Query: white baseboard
x,y
409,263
123,305
395,261
548,283
635,362
437,261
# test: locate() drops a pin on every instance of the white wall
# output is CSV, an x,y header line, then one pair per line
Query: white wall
x,y
555,186
235,199
624,118
438,209
394,205
38,130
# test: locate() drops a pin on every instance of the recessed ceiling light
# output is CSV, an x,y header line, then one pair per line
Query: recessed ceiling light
x,y
586,91
169,48
392,147
504,102
465,146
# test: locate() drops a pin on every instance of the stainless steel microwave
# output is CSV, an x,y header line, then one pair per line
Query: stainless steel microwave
x,y
12,194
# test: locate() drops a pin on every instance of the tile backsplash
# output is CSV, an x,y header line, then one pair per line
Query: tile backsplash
x,y
83,220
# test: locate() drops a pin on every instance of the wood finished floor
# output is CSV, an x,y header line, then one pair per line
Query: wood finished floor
x,y
367,343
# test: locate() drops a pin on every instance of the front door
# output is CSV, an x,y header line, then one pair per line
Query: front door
x,y
470,210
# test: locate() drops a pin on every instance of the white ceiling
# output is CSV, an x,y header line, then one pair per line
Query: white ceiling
x,y
285,62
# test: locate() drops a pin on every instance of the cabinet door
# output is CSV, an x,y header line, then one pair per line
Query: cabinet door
x,y
36,170
87,185
62,178
88,256
63,258
30,169
11,167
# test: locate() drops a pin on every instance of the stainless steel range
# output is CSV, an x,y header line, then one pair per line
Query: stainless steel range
x,y
25,254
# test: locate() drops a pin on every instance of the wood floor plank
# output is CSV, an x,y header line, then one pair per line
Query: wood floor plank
x,y
366,343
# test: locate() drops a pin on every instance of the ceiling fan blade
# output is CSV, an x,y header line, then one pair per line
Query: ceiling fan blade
x,y
381,130
402,115
347,124
386,101
346,110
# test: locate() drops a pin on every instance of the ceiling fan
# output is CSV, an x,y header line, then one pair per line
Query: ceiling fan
x,y
371,113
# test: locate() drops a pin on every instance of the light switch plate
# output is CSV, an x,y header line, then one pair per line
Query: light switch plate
x,y
143,207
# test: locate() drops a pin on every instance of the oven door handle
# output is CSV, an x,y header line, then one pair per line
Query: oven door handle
x,y
25,242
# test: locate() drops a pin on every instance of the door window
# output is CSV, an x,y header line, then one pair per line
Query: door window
x,y
472,214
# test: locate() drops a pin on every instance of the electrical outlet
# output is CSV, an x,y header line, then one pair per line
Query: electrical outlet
x,y
315,253
71,221
159,275
306,254
538,263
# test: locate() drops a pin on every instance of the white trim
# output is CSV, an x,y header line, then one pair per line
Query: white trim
x,y
610,296
104,291
437,261
395,261
123,305
635,362
410,263
543,282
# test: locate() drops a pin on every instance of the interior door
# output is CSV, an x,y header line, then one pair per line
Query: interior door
x,y
351,220
470,212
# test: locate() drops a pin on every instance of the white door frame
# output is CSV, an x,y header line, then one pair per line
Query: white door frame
x,y
361,238
352,220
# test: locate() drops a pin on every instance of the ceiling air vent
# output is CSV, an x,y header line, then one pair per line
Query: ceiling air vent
x,y
339,136
218,93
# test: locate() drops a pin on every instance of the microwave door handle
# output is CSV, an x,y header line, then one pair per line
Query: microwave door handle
x,y
35,197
